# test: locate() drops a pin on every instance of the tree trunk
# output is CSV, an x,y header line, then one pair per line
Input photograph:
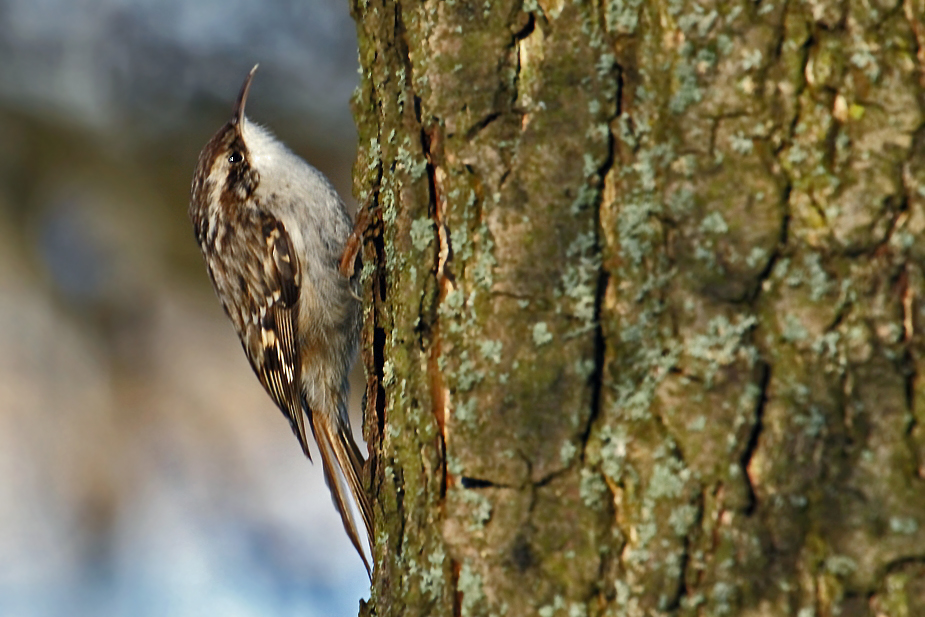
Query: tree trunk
x,y
644,326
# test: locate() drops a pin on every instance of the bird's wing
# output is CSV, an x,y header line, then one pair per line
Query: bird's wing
x,y
275,355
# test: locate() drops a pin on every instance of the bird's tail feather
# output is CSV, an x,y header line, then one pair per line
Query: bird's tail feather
x,y
343,463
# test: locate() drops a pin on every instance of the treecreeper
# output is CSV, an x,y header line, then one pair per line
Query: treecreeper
x,y
273,232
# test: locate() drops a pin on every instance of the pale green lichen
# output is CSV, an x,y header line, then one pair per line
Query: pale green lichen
x,y
541,334
388,373
814,421
374,154
432,577
558,604
491,350
756,257
622,16
567,452
841,565
714,223
576,609
366,273
697,424
480,508
613,451
482,273
706,59
794,331
451,309
634,396
906,526
681,201
625,132
796,155
454,300
667,481
470,586
741,144
682,518
415,165
605,65
467,375
688,91
585,367
865,60
387,201
819,281
722,594
587,198
693,601
422,233
752,59
465,411
454,466
462,246
623,593
722,344
696,18
592,488
827,346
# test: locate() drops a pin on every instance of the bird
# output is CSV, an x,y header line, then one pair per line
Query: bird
x,y
272,231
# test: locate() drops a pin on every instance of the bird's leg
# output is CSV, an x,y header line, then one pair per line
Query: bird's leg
x,y
348,259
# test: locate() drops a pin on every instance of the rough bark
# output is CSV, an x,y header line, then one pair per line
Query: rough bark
x,y
644,326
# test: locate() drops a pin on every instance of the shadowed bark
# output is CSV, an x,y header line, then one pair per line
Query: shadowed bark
x,y
644,320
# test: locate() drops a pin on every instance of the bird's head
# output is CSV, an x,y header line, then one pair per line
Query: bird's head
x,y
226,173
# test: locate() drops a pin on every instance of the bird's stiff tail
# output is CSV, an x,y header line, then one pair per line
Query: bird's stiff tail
x,y
343,465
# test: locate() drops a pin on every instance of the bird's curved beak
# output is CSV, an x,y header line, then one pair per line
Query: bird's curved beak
x,y
237,113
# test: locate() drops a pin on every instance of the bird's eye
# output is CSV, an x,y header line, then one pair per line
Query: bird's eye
x,y
235,157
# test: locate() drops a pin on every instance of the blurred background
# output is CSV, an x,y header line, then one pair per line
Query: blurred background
x,y
143,470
